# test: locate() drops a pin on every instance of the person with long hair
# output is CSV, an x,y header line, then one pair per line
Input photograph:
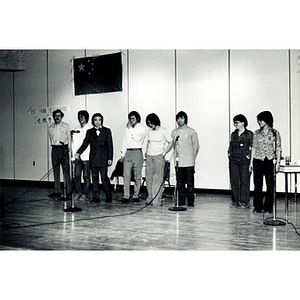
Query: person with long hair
x,y
266,151
186,143
159,143
132,155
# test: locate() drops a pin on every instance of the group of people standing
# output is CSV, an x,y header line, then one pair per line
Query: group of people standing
x,y
259,152
93,153
248,152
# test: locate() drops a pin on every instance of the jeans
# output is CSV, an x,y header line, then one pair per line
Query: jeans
x,y
133,160
82,167
240,181
185,176
155,166
263,168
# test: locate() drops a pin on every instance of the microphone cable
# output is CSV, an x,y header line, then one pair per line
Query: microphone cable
x,y
18,226
40,180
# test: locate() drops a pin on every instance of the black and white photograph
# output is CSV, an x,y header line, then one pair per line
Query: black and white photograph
x,y
149,161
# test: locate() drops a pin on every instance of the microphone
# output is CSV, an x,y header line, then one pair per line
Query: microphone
x,y
177,138
61,142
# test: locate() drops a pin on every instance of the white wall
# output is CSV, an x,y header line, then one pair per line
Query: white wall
x,y
210,85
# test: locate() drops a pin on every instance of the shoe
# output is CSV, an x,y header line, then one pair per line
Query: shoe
x,y
124,200
136,200
181,203
108,200
257,211
233,205
244,206
268,211
96,200
69,196
54,195
191,204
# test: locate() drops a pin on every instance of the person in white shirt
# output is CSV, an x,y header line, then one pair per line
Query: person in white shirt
x,y
132,155
59,135
159,143
82,165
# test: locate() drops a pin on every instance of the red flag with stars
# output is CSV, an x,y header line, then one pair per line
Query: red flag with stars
x,y
98,74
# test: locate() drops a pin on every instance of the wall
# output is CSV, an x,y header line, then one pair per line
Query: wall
x,y
210,85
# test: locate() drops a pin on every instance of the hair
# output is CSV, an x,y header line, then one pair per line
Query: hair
x,y
267,117
135,114
57,111
241,118
84,113
153,119
182,114
96,115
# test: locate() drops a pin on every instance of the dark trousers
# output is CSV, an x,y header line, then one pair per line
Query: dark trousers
x,y
240,181
82,167
262,169
60,157
105,182
185,176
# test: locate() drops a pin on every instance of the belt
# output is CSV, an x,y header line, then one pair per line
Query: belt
x,y
134,149
59,146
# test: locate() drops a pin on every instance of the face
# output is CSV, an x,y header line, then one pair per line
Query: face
x,y
82,119
261,123
181,121
98,121
238,124
133,121
57,118
151,125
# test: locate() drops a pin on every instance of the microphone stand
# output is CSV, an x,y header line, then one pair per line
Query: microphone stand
x,y
72,208
274,221
177,207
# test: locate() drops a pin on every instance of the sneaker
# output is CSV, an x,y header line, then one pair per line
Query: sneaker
x,y
233,204
244,205
257,211
124,200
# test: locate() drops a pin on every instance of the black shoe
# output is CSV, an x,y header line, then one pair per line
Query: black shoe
x,y
108,200
268,211
96,200
136,200
124,200
257,211
54,195
191,204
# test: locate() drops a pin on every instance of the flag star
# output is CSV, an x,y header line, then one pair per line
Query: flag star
x,y
81,67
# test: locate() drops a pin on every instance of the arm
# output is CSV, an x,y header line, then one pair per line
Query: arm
x,y
84,145
110,148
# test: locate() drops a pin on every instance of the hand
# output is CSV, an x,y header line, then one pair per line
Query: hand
x,y
77,156
122,158
128,125
250,168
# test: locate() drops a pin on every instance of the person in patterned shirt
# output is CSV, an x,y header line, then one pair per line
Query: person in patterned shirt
x,y
266,152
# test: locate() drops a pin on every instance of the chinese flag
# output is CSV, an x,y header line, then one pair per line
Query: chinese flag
x,y
98,74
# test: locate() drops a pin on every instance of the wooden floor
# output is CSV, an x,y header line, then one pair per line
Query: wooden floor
x,y
36,222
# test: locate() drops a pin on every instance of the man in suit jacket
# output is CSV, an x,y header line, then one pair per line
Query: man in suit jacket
x,y
101,155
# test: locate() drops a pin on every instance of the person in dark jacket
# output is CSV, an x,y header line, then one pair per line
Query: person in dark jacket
x,y
101,155
239,153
